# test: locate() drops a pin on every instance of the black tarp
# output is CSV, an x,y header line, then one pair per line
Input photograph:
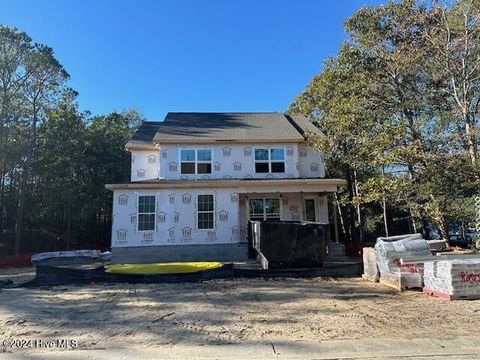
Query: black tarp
x,y
54,275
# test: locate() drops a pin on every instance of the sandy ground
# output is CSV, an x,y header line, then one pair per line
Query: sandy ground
x,y
18,275
241,311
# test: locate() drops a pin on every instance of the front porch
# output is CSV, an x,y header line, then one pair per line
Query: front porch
x,y
283,206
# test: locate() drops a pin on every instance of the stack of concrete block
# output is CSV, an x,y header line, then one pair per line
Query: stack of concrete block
x,y
370,269
456,278
388,253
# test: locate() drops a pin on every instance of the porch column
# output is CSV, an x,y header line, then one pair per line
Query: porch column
x,y
302,205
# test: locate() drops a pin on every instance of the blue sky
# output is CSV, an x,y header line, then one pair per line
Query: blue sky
x,y
178,55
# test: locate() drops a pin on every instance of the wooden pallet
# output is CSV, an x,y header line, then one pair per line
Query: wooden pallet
x,y
444,296
370,278
396,282
391,282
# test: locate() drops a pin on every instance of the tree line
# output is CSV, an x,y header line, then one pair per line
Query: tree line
x,y
54,159
399,106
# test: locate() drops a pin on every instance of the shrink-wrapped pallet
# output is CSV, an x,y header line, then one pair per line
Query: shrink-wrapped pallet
x,y
389,251
456,278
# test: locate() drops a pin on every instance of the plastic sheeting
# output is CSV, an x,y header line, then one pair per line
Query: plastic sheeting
x,y
53,275
370,269
453,277
106,256
162,268
45,256
389,251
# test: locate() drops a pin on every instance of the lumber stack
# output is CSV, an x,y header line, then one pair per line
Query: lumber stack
x,y
453,279
388,253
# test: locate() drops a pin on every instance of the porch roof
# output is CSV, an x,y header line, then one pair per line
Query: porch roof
x,y
242,185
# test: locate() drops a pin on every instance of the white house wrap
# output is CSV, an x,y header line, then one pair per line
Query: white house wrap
x,y
197,178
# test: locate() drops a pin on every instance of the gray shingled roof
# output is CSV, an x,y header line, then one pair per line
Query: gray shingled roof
x,y
143,136
305,125
208,127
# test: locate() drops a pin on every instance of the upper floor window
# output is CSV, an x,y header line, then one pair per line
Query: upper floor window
x,y
270,160
146,213
196,161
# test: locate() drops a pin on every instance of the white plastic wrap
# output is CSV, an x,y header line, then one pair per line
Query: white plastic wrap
x,y
453,277
370,270
65,254
390,250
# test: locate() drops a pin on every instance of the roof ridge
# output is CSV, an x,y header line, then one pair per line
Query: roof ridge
x,y
225,112
292,122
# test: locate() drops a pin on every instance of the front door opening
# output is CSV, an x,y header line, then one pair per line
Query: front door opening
x,y
310,210
264,209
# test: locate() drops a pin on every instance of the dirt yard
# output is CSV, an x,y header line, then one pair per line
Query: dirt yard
x,y
229,312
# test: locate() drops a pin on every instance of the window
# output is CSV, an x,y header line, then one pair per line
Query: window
x,y
270,160
205,212
187,162
196,161
264,209
277,160
146,213
204,162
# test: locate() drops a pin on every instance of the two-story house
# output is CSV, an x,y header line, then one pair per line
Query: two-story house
x,y
197,178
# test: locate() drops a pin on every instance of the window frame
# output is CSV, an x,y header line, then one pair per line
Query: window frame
x,y
269,161
147,213
214,223
264,201
196,162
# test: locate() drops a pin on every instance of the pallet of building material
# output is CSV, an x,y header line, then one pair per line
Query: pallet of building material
x,y
438,257
416,236
388,253
438,245
370,268
400,281
453,278
445,296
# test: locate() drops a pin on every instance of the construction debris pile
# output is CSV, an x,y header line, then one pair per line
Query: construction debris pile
x,y
454,279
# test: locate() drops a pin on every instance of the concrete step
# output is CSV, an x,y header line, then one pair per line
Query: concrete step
x,y
336,249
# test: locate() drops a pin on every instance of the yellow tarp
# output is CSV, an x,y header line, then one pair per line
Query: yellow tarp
x,y
163,268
